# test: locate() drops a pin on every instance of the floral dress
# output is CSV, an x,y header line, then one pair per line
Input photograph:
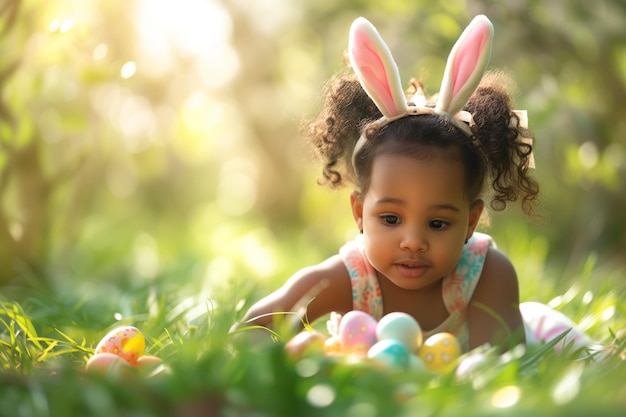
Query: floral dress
x,y
541,322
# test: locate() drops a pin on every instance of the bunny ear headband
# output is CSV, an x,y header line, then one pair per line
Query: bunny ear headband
x,y
378,74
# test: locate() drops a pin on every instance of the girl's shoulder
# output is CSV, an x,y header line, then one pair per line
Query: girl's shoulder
x,y
311,292
493,311
321,288
498,264
497,277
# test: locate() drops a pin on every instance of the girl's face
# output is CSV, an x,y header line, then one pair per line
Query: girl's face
x,y
415,218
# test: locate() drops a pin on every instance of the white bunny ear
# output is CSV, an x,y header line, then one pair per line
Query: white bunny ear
x,y
374,66
466,65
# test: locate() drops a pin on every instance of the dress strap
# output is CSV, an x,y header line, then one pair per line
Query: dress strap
x,y
366,294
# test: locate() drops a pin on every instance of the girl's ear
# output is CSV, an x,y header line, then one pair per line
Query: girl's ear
x,y
474,217
356,203
373,64
466,65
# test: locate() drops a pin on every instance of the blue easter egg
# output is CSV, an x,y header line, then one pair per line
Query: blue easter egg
x,y
390,352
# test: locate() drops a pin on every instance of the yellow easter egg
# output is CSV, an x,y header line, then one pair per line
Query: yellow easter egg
x,y
440,351
127,342
332,345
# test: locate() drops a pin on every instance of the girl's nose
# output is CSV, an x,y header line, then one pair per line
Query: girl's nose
x,y
414,241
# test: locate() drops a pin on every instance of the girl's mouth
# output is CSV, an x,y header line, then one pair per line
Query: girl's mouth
x,y
412,270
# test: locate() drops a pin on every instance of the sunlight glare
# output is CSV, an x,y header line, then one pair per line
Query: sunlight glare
x,y
362,409
16,229
506,397
128,70
237,190
608,313
66,25
258,255
236,193
200,29
569,386
588,154
63,26
307,368
100,52
276,13
146,258
55,24
321,395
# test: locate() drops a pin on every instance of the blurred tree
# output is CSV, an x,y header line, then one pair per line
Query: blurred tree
x,y
135,135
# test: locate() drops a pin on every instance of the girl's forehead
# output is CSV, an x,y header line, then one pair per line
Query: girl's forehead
x,y
405,176
423,163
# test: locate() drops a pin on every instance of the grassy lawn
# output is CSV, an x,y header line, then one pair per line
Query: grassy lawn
x,y
47,336
109,178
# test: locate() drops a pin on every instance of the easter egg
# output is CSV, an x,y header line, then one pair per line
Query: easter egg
x,y
470,364
400,326
305,341
390,352
415,363
150,365
107,363
333,345
357,332
440,351
126,342
149,360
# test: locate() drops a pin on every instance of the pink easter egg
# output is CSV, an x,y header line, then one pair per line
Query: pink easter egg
x,y
127,342
149,361
357,332
108,363
150,366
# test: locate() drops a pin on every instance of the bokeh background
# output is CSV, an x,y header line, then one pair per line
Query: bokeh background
x,y
150,138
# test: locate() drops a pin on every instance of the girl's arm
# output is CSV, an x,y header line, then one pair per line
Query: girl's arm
x,y
493,312
313,291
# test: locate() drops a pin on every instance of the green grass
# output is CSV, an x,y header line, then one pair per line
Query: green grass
x,y
47,336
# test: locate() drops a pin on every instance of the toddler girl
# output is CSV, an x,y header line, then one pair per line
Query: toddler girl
x,y
421,173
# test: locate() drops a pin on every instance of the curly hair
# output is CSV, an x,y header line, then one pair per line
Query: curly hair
x,y
494,156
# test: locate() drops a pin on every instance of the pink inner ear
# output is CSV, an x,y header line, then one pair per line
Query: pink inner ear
x,y
373,70
467,57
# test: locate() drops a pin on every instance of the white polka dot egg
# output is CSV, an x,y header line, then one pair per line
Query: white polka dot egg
x,y
440,351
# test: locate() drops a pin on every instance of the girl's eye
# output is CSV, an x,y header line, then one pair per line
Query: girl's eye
x,y
438,224
390,219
